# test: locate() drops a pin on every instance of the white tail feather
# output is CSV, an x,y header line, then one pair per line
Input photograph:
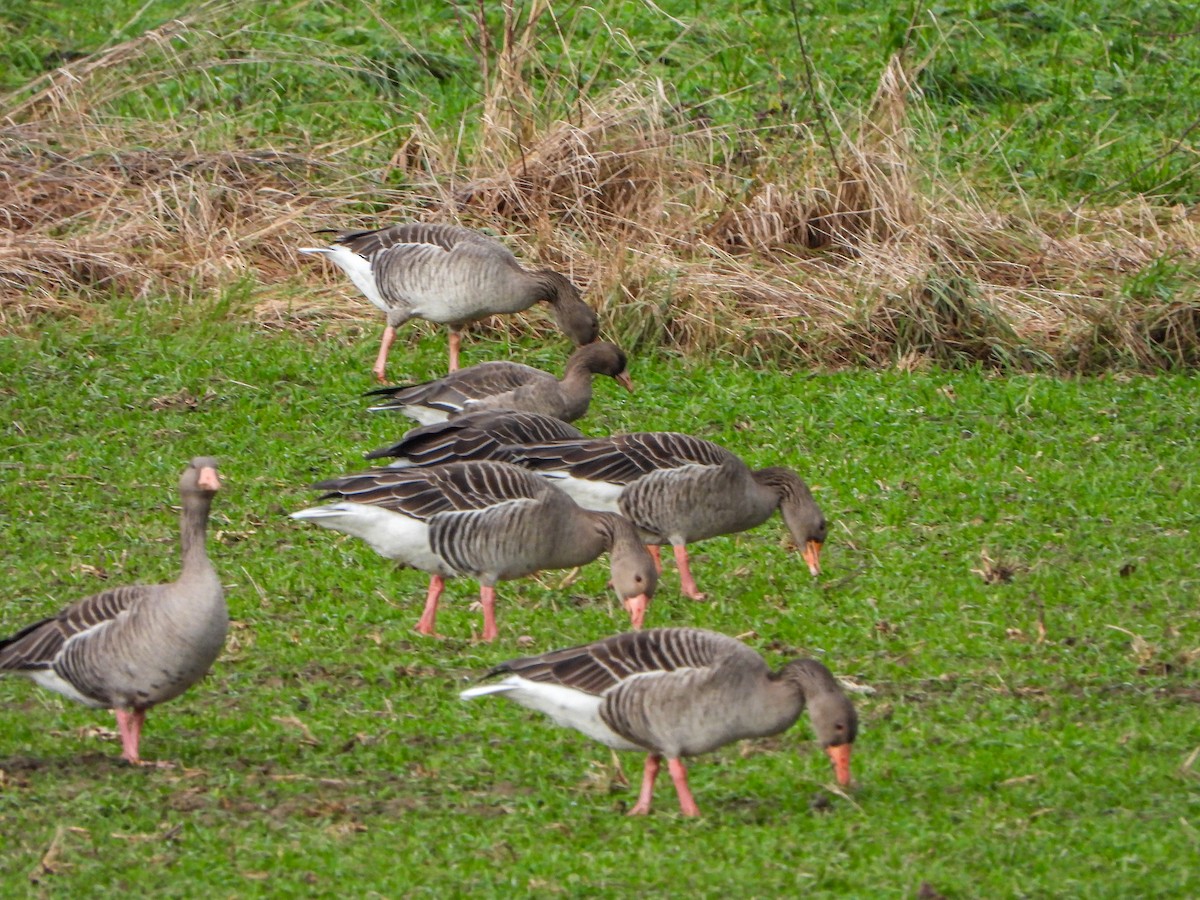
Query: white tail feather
x,y
483,690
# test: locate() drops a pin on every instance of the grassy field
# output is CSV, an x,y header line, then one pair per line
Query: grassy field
x,y
1011,568
855,239
1004,183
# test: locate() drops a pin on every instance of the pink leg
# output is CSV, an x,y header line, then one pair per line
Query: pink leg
x,y
429,616
487,597
654,552
687,803
389,335
455,341
687,583
649,773
129,724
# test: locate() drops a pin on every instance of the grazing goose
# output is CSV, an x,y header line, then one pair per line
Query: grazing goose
x,y
453,276
677,489
130,648
677,692
473,435
488,520
510,385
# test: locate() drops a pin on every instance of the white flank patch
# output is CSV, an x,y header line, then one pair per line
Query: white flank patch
x,y
357,267
601,496
390,534
50,679
422,414
566,706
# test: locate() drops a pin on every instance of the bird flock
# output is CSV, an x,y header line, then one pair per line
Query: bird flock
x,y
495,484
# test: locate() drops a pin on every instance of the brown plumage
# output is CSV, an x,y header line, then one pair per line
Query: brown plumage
x,y
472,435
488,520
450,275
130,648
678,692
508,385
677,489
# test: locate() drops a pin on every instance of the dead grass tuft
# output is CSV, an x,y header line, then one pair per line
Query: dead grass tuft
x,y
797,247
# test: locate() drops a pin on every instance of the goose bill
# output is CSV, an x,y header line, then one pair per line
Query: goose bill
x,y
637,610
812,556
840,757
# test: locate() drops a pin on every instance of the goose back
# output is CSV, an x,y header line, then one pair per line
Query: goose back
x,y
674,487
489,519
473,435
453,276
508,385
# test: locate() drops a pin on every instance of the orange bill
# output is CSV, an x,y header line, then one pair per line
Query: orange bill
x,y
637,610
840,757
625,381
812,556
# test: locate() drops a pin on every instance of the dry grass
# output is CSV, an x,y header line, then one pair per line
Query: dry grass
x,y
684,234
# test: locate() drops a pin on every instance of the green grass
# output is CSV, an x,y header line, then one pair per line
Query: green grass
x,y
328,754
1048,99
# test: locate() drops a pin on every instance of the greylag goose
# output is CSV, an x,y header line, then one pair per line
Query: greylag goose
x,y
488,520
453,276
509,385
677,692
474,435
677,489
130,648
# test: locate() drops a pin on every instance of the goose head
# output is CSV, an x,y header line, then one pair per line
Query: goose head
x,y
800,512
603,358
574,317
200,477
834,720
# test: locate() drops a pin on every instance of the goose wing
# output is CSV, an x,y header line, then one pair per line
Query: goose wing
x,y
422,493
38,645
624,458
601,666
370,242
474,435
452,392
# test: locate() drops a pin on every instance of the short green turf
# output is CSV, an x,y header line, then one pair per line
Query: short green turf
x,y
1012,568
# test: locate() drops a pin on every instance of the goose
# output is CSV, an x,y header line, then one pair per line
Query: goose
x,y
450,275
508,385
489,520
130,648
677,692
472,435
677,489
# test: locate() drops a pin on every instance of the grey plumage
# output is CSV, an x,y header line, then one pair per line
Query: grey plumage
x,y
488,520
508,385
132,647
453,276
678,692
677,488
473,435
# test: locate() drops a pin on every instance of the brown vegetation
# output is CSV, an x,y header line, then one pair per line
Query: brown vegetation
x,y
809,249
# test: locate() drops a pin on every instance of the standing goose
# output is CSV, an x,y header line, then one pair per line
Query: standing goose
x,y
677,692
510,385
130,648
473,435
677,489
453,276
489,520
